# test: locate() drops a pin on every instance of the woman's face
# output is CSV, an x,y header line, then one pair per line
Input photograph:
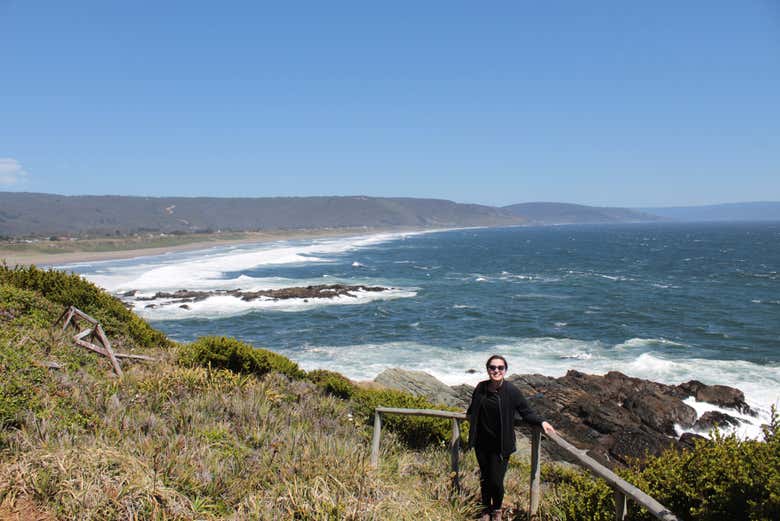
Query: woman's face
x,y
496,369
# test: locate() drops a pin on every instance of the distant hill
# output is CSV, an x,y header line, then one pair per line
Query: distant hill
x,y
35,214
563,213
756,211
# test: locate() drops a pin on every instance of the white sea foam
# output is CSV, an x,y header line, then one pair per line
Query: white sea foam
x,y
207,269
749,426
220,306
648,342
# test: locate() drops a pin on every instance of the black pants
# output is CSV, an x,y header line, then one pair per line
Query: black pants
x,y
492,469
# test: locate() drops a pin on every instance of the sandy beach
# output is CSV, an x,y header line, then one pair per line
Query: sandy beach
x,y
82,251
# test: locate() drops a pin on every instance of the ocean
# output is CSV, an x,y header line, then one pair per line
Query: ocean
x,y
666,302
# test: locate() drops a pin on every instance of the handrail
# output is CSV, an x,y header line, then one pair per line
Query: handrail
x,y
622,489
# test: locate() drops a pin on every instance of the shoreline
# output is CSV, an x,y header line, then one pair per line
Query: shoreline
x,y
48,259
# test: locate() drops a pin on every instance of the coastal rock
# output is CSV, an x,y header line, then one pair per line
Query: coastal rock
x,y
421,384
327,291
616,417
711,419
688,440
660,411
720,395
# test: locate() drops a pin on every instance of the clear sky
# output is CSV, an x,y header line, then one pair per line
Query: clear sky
x,y
596,102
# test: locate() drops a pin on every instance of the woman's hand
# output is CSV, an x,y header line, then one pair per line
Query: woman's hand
x,y
548,428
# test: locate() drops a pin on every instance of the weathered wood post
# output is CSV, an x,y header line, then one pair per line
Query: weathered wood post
x,y
375,441
454,453
536,444
621,507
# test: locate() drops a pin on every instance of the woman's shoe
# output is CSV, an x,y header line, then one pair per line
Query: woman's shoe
x,y
496,515
485,515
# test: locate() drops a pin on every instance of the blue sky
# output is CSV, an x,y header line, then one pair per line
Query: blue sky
x,y
607,102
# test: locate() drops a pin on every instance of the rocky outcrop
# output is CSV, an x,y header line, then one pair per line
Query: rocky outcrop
x,y
617,418
327,291
712,419
716,394
420,384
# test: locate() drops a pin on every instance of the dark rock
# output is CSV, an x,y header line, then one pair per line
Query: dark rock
x,y
660,411
184,306
711,419
149,306
688,440
614,417
471,371
720,395
320,291
631,445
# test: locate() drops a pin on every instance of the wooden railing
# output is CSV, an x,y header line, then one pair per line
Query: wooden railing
x,y
622,489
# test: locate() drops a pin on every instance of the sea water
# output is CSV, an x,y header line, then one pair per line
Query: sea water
x,y
666,302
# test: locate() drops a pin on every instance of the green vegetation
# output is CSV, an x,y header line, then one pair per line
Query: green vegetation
x,y
236,356
68,289
220,430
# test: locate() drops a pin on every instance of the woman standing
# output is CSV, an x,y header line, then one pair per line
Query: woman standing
x,y
491,431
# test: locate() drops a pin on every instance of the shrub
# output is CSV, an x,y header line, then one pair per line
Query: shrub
x,y
721,478
239,357
26,306
68,289
415,431
332,383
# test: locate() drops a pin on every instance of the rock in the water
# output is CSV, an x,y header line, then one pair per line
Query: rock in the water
x,y
720,395
711,419
420,384
320,291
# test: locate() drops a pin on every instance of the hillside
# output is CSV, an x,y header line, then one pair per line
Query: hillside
x,y
563,213
33,214
754,211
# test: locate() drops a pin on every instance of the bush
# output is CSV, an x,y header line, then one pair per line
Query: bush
x,y
229,353
332,383
69,289
721,478
415,431
26,307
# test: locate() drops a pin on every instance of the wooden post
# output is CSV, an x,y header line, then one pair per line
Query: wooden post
x,y
621,510
536,443
375,441
110,352
454,450
67,315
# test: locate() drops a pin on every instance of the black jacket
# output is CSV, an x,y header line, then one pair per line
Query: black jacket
x,y
511,402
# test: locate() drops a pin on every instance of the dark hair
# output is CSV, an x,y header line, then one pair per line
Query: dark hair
x,y
493,357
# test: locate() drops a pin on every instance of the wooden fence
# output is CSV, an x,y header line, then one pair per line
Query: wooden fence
x,y
623,490
88,337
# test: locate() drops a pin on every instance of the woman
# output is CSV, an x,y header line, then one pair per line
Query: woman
x,y
491,413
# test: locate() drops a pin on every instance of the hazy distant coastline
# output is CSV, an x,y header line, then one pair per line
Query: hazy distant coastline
x,y
55,229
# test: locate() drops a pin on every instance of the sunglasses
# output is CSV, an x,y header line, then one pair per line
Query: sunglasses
x,y
497,368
